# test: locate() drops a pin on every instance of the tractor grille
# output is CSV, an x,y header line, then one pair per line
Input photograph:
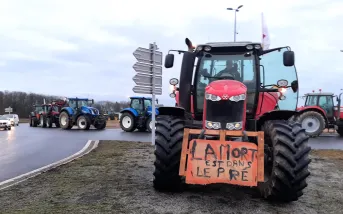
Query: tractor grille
x,y
224,111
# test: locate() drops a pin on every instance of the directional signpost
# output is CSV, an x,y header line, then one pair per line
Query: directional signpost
x,y
149,76
9,110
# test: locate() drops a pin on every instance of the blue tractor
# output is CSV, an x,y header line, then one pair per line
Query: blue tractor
x,y
138,115
78,111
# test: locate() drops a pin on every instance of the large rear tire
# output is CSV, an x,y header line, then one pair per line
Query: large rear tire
x,y
127,122
313,122
169,135
286,161
64,121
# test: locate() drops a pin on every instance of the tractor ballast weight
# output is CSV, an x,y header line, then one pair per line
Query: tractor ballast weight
x,y
77,111
138,115
230,128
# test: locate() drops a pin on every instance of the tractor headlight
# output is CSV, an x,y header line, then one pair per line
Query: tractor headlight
x,y
212,97
199,48
234,126
238,98
207,48
257,46
249,47
212,125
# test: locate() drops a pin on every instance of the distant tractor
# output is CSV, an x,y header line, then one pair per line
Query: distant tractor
x,y
51,113
319,113
36,117
138,115
77,111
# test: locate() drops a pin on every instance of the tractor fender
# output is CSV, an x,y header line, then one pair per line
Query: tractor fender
x,y
173,111
69,110
318,109
130,110
275,115
149,111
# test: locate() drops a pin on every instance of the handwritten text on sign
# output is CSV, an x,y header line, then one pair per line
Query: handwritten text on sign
x,y
211,161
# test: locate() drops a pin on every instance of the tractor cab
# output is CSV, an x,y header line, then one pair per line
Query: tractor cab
x,y
268,76
231,123
322,100
76,103
141,104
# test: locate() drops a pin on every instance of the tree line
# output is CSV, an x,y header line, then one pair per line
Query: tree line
x,y
22,103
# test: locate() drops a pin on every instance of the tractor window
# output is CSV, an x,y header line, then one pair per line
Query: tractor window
x,y
213,68
274,70
147,103
311,101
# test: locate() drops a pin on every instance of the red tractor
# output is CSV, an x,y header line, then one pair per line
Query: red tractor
x,y
231,125
319,113
51,113
36,115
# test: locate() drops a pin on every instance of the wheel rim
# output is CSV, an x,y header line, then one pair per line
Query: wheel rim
x,y
150,125
310,124
82,123
126,122
63,120
41,120
48,121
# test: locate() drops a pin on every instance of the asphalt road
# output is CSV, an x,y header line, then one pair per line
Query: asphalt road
x,y
25,148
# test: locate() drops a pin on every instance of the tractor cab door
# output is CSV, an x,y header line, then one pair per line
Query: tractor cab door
x,y
326,103
138,105
273,70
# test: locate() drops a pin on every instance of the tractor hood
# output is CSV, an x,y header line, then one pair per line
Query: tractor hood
x,y
149,110
89,110
226,88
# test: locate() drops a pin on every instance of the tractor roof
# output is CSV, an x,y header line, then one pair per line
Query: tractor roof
x,y
229,44
76,98
318,94
137,97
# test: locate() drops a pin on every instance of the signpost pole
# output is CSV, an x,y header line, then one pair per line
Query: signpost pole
x,y
153,115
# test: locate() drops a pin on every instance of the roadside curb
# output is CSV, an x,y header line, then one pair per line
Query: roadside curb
x,y
90,145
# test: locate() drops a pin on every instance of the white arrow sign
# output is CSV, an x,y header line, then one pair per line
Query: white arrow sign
x,y
145,55
146,80
146,90
146,68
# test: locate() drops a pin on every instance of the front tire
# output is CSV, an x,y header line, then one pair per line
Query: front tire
x,y
83,122
148,124
313,122
100,126
64,121
169,135
48,122
127,122
43,121
286,161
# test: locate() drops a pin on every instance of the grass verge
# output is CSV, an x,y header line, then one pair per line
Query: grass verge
x,y
117,178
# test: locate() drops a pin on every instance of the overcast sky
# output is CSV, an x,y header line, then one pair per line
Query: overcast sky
x,y
84,47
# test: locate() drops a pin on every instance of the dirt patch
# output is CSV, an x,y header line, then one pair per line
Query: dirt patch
x,y
117,178
112,124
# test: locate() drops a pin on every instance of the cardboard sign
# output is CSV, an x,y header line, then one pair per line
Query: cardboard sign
x,y
213,161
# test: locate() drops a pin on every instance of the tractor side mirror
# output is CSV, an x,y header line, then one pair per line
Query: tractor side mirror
x,y
169,61
295,86
288,58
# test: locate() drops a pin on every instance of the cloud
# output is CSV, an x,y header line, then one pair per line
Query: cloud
x,y
85,48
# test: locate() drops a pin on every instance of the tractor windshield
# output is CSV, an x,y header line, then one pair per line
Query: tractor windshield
x,y
274,70
214,67
82,103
